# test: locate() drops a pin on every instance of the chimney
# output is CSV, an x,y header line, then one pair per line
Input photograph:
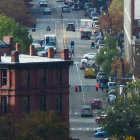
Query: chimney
x,y
18,47
14,56
50,52
9,40
32,50
65,54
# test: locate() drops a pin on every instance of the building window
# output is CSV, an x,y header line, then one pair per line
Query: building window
x,y
26,104
58,76
3,77
42,103
3,105
25,80
58,103
42,77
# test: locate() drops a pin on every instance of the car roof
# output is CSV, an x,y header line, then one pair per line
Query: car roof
x,y
86,106
96,99
70,23
47,9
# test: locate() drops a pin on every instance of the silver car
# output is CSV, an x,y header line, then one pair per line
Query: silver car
x,y
86,111
47,11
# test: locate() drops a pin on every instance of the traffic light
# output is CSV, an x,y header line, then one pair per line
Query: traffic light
x,y
72,44
97,87
80,88
47,39
76,88
92,45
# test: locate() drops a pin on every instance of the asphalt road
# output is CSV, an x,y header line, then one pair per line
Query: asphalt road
x,y
79,127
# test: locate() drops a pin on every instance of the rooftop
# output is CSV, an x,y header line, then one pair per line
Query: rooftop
x,y
29,59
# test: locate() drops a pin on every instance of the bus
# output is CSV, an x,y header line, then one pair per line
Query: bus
x,y
50,42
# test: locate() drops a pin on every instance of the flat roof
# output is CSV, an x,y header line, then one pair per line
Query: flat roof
x,y
29,59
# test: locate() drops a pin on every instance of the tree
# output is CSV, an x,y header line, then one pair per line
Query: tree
x,y
105,56
112,22
40,126
8,27
123,118
18,10
7,127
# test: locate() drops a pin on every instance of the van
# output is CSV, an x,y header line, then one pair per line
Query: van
x,y
111,85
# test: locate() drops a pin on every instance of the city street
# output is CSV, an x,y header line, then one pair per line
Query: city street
x,y
82,127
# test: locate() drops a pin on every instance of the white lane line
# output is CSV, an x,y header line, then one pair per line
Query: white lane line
x,y
80,82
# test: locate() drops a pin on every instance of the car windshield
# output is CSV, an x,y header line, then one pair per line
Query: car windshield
x,y
86,109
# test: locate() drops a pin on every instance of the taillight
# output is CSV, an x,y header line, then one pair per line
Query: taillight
x,y
90,110
82,110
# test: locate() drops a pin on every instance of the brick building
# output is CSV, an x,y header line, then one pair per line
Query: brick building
x,y
29,82
132,34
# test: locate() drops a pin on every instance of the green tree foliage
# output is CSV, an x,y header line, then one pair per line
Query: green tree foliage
x,y
123,119
39,126
16,9
35,126
8,27
105,56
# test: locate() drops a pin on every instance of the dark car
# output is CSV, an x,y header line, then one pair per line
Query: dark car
x,y
69,2
104,79
99,75
65,9
89,9
88,5
47,11
75,7
43,3
85,34
83,65
96,103
70,27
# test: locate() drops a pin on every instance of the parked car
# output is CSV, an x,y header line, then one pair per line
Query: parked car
x,y
86,111
100,134
104,79
43,3
88,10
47,11
111,98
96,103
70,27
111,85
65,9
88,5
94,14
98,129
100,118
90,55
99,74
75,7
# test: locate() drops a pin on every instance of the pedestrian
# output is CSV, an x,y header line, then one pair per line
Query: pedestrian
x,y
61,16
102,86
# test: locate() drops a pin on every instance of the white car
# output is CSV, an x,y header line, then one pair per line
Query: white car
x,y
90,55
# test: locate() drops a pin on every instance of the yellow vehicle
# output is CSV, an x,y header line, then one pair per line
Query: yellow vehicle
x,y
90,73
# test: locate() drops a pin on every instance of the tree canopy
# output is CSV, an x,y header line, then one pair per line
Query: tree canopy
x,y
35,126
9,27
105,56
123,117
112,21
18,10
